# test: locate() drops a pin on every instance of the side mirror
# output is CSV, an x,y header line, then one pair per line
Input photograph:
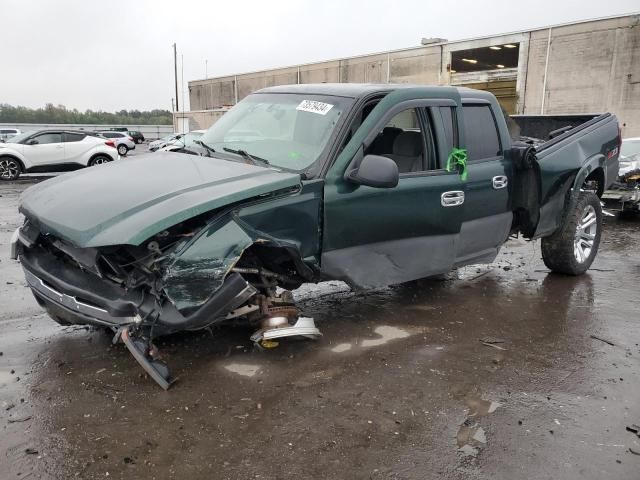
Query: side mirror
x,y
33,141
375,171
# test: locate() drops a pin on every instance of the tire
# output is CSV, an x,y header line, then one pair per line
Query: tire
x,y
572,249
122,149
138,141
99,160
10,169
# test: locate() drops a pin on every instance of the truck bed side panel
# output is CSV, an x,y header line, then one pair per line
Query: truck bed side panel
x,y
568,160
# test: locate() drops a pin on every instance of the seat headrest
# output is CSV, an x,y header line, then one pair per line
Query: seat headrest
x,y
408,144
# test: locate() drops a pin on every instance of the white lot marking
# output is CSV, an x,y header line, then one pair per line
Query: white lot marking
x,y
387,334
242,369
341,347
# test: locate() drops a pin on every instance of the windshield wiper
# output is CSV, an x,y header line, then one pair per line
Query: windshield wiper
x,y
207,147
247,155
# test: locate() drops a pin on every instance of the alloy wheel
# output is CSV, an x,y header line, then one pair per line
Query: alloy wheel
x,y
586,231
9,169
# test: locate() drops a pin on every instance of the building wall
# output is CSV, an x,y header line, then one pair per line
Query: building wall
x,y
591,68
587,67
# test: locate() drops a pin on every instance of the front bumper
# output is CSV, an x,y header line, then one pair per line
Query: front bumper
x,y
74,296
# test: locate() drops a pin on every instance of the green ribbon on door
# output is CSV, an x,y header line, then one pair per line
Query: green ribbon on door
x,y
458,160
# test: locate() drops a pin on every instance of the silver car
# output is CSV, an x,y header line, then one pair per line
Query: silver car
x,y
123,142
164,141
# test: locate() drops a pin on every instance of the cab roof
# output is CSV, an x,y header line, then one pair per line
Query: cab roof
x,y
357,90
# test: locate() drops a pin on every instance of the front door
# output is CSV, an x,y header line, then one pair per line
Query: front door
x,y
45,149
382,236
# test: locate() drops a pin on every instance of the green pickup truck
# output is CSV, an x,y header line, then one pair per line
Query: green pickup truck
x,y
370,184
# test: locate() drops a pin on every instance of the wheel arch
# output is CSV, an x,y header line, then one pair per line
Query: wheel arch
x,y
23,167
98,154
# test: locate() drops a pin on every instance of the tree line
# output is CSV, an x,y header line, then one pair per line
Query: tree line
x,y
61,114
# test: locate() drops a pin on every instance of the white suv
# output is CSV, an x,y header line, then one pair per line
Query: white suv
x,y
53,150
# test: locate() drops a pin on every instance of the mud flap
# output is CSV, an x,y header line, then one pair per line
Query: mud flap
x,y
140,348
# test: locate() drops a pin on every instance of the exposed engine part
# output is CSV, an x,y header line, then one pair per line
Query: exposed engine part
x,y
304,327
284,321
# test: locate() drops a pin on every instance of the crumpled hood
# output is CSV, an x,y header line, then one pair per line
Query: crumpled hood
x,y
128,201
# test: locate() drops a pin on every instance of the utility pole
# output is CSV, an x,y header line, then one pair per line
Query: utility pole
x,y
173,106
175,73
206,65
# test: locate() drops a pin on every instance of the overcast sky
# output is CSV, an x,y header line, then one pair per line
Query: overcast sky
x,y
116,54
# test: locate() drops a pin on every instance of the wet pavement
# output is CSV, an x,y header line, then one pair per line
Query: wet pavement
x,y
490,373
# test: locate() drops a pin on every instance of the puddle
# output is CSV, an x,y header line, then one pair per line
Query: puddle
x,y
342,347
479,407
243,369
387,333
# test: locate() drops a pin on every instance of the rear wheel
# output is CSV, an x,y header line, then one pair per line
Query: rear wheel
x,y
99,160
572,249
10,168
122,149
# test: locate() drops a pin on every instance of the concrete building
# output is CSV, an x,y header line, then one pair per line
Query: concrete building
x,y
578,68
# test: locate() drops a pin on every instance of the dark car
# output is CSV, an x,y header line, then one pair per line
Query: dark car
x,y
136,135
373,185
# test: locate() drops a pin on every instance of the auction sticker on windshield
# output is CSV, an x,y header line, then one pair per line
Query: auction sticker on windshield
x,y
314,107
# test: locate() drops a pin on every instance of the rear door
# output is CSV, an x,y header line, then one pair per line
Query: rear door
x,y
487,216
381,236
45,149
76,147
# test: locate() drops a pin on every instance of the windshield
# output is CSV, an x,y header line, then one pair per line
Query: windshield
x,y
19,138
628,148
287,130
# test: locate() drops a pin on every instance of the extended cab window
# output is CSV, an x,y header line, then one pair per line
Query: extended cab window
x,y
404,141
481,132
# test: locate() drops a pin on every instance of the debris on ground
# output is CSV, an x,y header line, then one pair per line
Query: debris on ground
x,y
635,452
634,429
603,340
468,451
19,420
31,451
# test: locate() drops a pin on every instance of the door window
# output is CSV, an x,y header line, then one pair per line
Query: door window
x,y
73,137
46,138
406,141
481,132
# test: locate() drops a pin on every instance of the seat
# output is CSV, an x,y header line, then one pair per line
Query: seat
x,y
383,143
407,152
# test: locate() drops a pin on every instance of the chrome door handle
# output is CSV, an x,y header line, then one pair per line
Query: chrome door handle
x,y
452,199
499,182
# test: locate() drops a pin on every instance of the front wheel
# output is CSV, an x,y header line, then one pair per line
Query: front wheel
x,y
572,248
122,149
9,168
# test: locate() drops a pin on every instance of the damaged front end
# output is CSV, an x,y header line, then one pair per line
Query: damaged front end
x,y
203,271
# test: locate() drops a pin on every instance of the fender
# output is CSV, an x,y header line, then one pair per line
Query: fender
x,y
10,152
565,198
